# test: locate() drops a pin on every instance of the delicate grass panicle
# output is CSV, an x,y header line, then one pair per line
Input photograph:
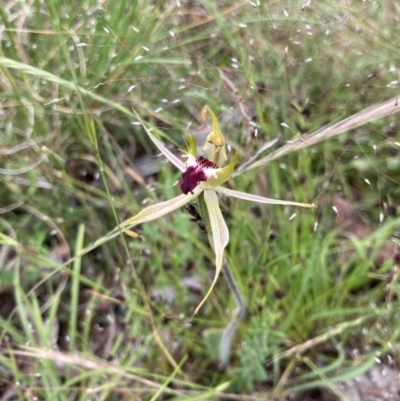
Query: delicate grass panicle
x,y
94,302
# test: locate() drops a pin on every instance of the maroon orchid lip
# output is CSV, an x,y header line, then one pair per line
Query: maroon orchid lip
x,y
195,174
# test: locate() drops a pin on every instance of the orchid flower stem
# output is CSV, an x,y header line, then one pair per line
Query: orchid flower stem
x,y
234,289
237,315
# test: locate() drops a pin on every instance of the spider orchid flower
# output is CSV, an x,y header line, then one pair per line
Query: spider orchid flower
x,y
202,177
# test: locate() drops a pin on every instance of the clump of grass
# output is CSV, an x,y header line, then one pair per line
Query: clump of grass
x,y
272,72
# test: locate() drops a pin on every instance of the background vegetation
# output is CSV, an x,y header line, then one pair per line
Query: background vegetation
x,y
112,323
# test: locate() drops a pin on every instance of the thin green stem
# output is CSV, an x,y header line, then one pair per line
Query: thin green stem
x,y
234,288
237,315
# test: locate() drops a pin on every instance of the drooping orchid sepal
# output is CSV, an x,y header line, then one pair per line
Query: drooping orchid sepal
x,y
217,231
214,146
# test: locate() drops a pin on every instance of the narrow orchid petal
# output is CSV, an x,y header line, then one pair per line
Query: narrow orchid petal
x,y
220,236
175,160
259,199
192,146
160,209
